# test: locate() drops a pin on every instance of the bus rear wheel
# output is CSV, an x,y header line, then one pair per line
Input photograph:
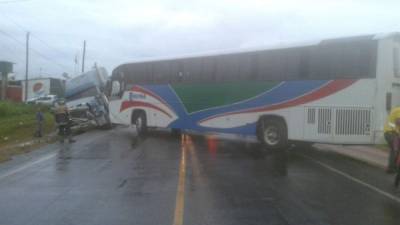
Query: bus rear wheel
x,y
140,122
273,133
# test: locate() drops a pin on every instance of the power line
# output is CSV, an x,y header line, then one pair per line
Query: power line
x,y
34,50
44,43
13,1
40,40
11,37
33,35
11,51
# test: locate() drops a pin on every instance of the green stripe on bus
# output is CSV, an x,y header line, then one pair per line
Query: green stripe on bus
x,y
197,97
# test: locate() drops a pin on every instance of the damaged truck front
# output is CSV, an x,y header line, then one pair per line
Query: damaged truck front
x,y
86,99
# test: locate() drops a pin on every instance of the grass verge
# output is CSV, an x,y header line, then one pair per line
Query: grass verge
x,y
18,124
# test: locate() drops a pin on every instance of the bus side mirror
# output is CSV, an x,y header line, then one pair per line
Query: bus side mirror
x,y
115,88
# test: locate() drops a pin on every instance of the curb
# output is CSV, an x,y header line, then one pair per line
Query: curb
x,y
47,139
368,162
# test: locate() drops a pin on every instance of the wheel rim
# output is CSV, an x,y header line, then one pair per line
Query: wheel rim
x,y
271,135
139,124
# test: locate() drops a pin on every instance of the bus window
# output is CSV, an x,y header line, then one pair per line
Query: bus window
x,y
270,65
192,70
245,67
208,69
227,68
352,60
161,72
292,64
175,69
320,63
304,64
388,101
396,62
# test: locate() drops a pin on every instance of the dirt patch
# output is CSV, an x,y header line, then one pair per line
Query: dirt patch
x,y
8,151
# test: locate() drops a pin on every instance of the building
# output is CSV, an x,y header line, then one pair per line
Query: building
x,y
5,68
43,86
13,91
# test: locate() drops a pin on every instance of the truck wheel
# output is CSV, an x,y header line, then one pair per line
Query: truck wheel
x,y
273,133
141,123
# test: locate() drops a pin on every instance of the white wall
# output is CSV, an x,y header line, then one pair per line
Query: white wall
x,y
36,87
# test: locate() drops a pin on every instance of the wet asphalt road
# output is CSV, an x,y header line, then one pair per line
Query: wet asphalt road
x,y
110,178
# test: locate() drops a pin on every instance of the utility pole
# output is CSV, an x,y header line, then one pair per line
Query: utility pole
x,y
83,56
3,86
27,66
76,66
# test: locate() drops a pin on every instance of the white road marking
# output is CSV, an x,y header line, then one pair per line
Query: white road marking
x,y
28,165
373,188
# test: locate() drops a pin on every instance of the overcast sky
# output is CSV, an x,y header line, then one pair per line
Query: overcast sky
x,y
120,31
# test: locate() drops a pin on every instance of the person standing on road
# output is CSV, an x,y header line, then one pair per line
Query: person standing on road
x,y
63,121
392,131
39,122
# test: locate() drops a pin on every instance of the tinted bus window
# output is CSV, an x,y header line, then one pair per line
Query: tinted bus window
x,y
331,59
208,69
396,62
176,71
227,68
192,70
246,67
292,64
271,65
161,72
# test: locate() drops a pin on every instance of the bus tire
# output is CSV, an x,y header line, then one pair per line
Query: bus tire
x,y
272,133
140,121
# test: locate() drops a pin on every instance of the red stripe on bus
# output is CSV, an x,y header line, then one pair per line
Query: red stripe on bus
x,y
129,104
331,88
137,88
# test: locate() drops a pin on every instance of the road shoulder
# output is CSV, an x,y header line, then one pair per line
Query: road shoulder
x,y
367,154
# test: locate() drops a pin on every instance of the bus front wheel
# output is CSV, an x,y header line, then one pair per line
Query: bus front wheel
x,y
273,133
140,122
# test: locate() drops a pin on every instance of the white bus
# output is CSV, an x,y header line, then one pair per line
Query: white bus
x,y
332,91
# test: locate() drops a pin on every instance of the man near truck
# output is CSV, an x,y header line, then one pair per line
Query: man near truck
x,y
39,122
391,133
63,121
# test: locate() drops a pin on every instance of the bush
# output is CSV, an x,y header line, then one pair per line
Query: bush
x,y
18,121
12,109
9,109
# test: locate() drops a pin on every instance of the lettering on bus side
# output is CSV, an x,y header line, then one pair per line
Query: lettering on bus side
x,y
136,96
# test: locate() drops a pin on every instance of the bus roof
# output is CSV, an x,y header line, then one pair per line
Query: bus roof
x,y
371,37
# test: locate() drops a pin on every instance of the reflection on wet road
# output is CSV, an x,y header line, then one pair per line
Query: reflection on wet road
x,y
109,177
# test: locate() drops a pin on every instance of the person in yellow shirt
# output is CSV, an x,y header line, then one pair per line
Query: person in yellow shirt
x,y
392,131
62,119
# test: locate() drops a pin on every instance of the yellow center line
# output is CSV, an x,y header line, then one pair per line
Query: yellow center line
x,y
194,163
180,194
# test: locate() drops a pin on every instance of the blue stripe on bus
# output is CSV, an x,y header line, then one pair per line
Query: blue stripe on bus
x,y
285,91
168,95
